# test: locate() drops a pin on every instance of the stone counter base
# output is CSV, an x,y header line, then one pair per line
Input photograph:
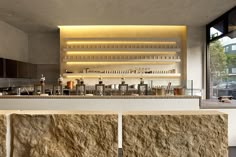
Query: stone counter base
x,y
2,135
94,134
64,135
164,134
68,134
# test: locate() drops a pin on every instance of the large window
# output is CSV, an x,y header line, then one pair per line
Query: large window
x,y
221,60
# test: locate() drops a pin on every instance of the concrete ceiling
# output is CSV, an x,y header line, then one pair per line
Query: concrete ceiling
x,y
46,15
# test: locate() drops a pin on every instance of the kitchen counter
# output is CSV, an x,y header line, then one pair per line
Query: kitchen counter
x,y
178,133
100,103
215,104
99,97
101,133
230,109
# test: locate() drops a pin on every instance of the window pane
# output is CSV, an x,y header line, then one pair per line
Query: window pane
x,y
217,29
234,47
223,67
214,33
232,21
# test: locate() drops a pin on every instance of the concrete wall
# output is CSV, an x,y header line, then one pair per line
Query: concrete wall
x,y
44,50
13,43
195,55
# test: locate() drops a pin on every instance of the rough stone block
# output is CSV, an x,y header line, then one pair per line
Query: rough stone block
x,y
2,135
64,135
175,134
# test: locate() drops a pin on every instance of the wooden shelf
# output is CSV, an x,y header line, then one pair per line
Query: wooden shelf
x,y
123,50
104,75
121,61
78,54
97,39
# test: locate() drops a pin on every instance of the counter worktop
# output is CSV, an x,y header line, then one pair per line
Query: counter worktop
x,y
99,97
215,104
100,103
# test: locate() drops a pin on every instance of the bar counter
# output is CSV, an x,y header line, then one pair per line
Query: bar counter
x,y
215,104
100,103
100,134
99,97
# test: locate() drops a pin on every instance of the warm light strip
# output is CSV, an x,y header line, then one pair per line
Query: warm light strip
x,y
118,52
120,42
119,75
117,63
117,26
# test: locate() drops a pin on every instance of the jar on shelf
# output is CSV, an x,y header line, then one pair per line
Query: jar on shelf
x,y
100,87
123,88
142,88
80,87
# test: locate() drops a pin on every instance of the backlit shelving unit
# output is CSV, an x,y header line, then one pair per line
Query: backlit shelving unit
x,y
91,52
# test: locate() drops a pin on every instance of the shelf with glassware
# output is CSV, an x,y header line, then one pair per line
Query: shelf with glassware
x,y
78,55
75,49
121,66
80,66
121,42
120,75
128,58
120,45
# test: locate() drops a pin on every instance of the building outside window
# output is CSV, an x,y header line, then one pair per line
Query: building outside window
x,y
234,47
221,61
222,68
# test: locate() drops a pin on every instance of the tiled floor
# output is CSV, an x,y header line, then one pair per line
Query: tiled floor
x,y
232,151
120,152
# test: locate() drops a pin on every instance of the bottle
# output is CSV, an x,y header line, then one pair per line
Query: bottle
x,y
123,87
122,80
80,87
60,80
142,88
42,84
100,87
100,80
141,81
42,80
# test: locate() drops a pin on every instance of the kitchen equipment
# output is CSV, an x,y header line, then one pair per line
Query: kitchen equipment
x,y
142,88
70,84
60,80
123,88
179,91
42,80
160,91
80,87
168,88
100,87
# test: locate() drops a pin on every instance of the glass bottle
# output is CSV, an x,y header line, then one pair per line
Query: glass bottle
x,y
100,87
123,88
142,88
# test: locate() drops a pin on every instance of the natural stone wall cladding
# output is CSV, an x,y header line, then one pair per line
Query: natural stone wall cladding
x,y
2,136
175,136
67,135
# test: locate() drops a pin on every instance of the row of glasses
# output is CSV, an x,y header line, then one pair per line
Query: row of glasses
x,y
78,57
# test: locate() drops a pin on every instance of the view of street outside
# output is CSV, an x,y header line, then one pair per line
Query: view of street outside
x,y
222,66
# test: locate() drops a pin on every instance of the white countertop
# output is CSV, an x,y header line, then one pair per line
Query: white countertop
x,y
100,97
215,104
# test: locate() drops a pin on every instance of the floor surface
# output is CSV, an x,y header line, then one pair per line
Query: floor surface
x,y
232,151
